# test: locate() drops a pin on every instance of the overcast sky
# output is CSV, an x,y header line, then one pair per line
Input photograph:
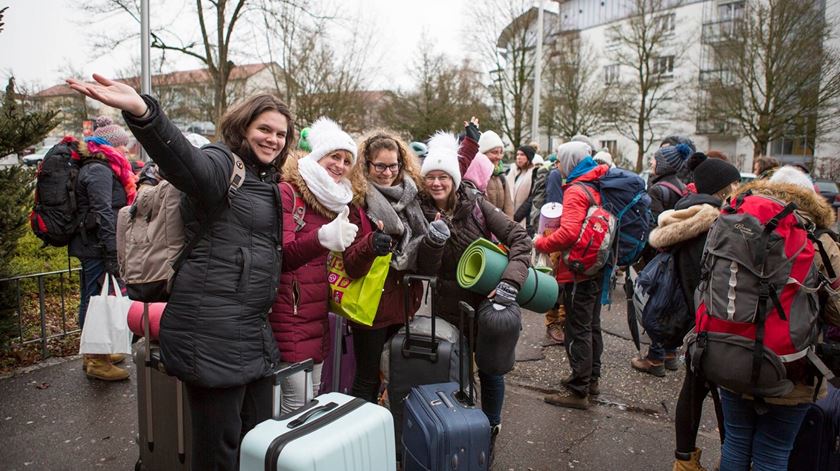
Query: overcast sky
x,y
42,36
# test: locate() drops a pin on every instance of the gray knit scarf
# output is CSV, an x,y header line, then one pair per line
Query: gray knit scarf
x,y
399,210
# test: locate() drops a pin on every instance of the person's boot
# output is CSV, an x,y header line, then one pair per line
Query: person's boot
x,y
116,358
494,432
646,365
569,399
100,367
554,332
594,387
688,461
671,362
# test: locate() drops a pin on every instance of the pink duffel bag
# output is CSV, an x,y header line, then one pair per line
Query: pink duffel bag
x,y
135,318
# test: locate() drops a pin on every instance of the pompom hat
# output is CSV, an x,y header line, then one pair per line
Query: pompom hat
x,y
113,133
325,136
443,155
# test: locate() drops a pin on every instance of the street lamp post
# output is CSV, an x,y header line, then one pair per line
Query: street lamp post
x,y
535,116
145,59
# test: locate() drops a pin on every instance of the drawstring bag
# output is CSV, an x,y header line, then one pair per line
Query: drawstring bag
x,y
498,331
106,322
357,299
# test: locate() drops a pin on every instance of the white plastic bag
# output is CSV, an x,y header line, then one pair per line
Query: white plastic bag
x,y
106,322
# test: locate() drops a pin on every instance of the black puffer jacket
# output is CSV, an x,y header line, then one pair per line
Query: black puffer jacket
x,y
465,228
99,196
214,331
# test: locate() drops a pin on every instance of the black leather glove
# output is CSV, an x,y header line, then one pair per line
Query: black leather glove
x,y
112,266
472,131
381,243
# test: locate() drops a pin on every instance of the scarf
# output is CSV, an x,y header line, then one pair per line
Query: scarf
x,y
399,210
334,196
118,163
498,169
581,168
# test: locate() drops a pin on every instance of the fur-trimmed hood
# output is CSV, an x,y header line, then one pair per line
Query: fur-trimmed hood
x,y
676,226
809,202
292,175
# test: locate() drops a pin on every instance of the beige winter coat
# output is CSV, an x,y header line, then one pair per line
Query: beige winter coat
x,y
498,195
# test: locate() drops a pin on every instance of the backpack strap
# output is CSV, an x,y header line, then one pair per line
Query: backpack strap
x,y
674,188
589,196
237,177
815,238
298,210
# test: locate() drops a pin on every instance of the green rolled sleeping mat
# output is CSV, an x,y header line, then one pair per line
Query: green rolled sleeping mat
x,y
482,265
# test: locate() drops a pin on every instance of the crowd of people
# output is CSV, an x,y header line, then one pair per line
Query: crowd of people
x,y
253,294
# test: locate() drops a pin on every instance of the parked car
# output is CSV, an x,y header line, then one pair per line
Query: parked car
x,y
36,157
828,189
747,177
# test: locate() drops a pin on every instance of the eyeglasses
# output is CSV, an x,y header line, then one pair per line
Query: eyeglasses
x,y
431,179
380,168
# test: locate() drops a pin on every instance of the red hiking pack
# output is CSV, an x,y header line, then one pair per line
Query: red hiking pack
x,y
758,304
591,251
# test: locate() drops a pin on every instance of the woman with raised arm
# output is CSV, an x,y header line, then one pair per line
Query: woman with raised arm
x,y
214,334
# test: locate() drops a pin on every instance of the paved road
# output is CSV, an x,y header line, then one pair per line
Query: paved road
x,y
53,418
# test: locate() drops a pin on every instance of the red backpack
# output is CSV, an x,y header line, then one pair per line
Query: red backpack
x,y
591,251
758,304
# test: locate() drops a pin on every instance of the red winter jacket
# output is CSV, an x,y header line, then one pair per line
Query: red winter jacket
x,y
575,207
357,261
299,315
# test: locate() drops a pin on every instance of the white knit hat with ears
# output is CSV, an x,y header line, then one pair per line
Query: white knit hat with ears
x,y
325,136
443,155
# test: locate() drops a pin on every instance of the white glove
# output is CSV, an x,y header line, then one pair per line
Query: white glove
x,y
338,234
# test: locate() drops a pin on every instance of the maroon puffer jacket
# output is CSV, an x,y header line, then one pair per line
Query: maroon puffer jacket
x,y
299,315
357,261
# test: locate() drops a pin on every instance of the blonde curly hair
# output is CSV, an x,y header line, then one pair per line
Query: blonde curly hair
x,y
373,142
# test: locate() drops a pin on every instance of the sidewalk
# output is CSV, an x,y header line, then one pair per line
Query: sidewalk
x,y
53,418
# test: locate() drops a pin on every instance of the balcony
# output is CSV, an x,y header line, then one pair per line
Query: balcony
x,y
716,32
716,78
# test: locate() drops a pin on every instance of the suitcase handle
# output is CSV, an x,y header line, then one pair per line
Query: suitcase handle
x,y
419,347
468,312
283,373
302,419
306,366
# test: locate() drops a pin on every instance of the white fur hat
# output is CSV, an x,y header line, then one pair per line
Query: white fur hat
x,y
792,175
326,136
489,140
443,155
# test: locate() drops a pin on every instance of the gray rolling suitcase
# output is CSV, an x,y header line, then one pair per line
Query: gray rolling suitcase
x,y
162,411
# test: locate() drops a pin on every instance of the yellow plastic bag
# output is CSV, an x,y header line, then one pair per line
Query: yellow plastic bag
x,y
357,300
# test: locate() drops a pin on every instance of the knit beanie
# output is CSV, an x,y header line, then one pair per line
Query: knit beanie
x,y
443,155
480,171
489,140
325,136
528,151
113,133
538,160
569,154
675,140
102,121
604,157
671,158
585,140
713,175
792,175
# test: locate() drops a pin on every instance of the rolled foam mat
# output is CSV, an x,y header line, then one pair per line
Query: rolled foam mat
x,y
482,265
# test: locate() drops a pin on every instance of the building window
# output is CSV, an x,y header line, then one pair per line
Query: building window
x,y
665,23
611,73
611,146
731,10
663,66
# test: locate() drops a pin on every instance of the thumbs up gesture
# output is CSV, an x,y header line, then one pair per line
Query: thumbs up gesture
x,y
338,234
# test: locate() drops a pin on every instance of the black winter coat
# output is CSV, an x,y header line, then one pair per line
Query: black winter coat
x,y
99,197
214,332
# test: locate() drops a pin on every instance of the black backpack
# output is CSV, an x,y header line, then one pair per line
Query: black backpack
x,y
55,218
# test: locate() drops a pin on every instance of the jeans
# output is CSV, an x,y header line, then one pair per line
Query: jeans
x,y
657,351
294,389
221,417
367,346
584,343
765,440
492,396
92,271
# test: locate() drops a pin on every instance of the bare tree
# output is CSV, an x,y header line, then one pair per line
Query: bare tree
x,y
648,45
778,77
575,101
507,36
444,96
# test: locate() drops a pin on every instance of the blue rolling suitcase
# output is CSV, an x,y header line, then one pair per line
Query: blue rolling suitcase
x,y
442,427
332,432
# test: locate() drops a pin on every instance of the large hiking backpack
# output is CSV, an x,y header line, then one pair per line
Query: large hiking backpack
x,y
591,251
55,217
758,305
150,238
623,194
660,301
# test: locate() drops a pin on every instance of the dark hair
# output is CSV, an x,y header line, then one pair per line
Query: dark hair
x,y
766,163
387,140
235,122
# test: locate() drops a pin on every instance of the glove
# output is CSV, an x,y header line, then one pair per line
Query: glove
x,y
338,234
381,243
439,232
472,131
112,266
505,294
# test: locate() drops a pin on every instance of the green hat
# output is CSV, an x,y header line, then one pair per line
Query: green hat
x,y
304,141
